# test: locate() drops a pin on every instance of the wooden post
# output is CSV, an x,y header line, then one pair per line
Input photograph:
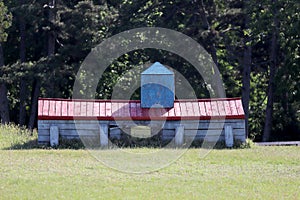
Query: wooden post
x,y
103,134
54,136
228,136
179,135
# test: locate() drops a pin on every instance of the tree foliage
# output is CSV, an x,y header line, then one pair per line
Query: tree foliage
x,y
5,21
228,30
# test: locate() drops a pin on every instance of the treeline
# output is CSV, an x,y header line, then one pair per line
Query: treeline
x,y
255,45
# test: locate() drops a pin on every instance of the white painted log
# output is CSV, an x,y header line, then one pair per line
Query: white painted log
x,y
179,135
44,132
204,125
71,126
93,124
197,129
228,136
103,128
54,136
79,132
285,143
43,139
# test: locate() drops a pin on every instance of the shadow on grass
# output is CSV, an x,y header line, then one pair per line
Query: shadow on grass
x,y
33,144
76,144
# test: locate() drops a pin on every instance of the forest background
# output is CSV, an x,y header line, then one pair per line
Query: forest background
x,y
254,44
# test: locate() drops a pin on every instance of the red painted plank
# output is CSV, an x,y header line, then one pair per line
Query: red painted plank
x,y
138,110
52,108
158,112
161,112
83,108
115,109
208,108
202,108
196,110
77,108
214,108
137,118
96,109
102,109
89,108
40,107
233,108
183,109
154,112
221,108
177,109
121,109
189,109
187,100
145,112
165,112
64,108
227,108
171,112
108,108
70,108
132,109
239,107
125,109
57,108
46,107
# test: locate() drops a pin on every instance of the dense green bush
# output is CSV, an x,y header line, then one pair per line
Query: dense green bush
x,y
16,137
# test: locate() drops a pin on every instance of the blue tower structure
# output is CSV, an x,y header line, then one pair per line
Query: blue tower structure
x,y
157,87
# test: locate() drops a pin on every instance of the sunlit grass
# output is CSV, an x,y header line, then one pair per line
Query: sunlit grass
x,y
255,173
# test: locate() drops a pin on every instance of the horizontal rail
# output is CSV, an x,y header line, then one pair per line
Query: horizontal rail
x,y
285,143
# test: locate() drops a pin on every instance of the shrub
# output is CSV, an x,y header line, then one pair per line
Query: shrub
x,y
16,137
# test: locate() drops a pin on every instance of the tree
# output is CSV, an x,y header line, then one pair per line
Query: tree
x,y
51,7
23,83
273,66
247,61
45,47
4,104
285,124
5,22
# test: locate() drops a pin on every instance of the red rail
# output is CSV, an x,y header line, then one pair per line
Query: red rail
x,y
187,109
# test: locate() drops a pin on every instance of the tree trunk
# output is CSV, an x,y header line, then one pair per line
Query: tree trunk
x,y
51,43
246,84
23,84
247,60
273,65
50,52
52,34
4,104
216,76
34,104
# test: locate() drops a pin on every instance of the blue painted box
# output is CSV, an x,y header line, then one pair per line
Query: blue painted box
x,y
157,87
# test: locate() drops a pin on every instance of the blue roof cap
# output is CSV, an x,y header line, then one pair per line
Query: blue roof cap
x,y
157,68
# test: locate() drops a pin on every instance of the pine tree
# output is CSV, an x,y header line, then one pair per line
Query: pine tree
x,y
5,22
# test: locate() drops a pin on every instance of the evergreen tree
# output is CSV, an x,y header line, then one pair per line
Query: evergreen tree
x,y
5,22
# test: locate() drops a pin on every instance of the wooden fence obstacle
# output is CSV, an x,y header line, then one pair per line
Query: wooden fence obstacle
x,y
209,119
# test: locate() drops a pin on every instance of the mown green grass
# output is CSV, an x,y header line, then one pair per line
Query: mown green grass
x,y
256,173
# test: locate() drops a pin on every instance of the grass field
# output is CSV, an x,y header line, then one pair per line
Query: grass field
x,y
256,173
